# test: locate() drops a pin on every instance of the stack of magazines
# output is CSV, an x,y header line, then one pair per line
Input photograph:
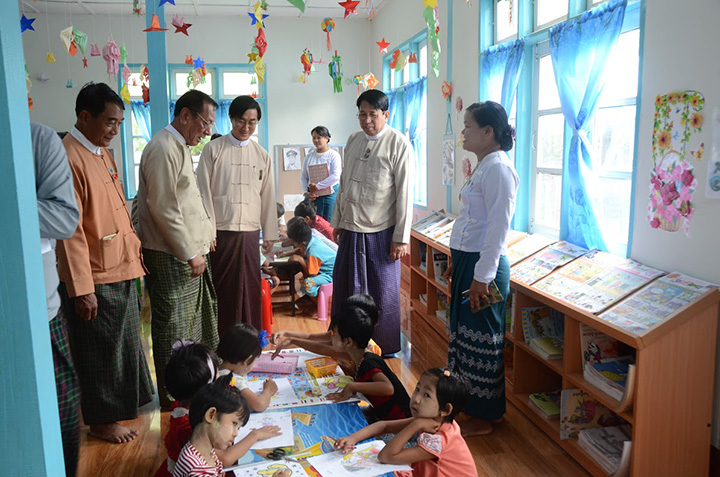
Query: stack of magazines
x,y
609,446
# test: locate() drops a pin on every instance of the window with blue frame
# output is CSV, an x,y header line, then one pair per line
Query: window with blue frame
x,y
553,203
222,82
407,94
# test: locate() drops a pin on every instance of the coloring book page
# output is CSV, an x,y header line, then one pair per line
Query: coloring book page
x,y
268,468
361,462
281,419
285,394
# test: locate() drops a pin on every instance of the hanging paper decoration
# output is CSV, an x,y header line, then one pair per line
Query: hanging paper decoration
x,y
111,55
358,80
94,50
155,24
69,83
260,42
350,6
370,81
145,94
144,73
137,10
327,25
49,58
126,73
188,60
458,104
398,60
162,2
383,46
26,24
430,14
30,103
258,16
307,60
260,69
336,72
252,56
123,53
80,39
198,63
84,62
42,77
180,26
299,4
66,36
412,58
446,90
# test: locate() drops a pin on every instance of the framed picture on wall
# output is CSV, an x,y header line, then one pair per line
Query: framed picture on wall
x,y
291,158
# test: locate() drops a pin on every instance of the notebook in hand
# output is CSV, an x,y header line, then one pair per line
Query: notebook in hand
x,y
494,296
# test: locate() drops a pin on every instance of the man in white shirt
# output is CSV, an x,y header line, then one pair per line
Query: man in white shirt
x,y
373,215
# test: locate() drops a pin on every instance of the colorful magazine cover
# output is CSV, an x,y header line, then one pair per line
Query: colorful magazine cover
x,y
544,262
578,411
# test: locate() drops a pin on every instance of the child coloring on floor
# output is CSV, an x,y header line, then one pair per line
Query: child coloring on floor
x,y
441,450
216,413
351,331
321,343
239,347
316,259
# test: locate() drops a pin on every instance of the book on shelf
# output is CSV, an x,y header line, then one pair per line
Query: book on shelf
x,y
528,245
318,173
610,375
513,237
579,410
596,280
508,358
608,446
423,256
423,298
546,404
440,265
543,330
509,307
435,228
596,346
656,302
544,262
425,222
442,230
442,315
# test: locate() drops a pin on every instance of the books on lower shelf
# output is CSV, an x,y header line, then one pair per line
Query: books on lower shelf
x,y
528,245
543,330
656,302
608,364
546,404
597,280
609,446
509,313
440,265
544,262
579,410
609,376
423,298
442,306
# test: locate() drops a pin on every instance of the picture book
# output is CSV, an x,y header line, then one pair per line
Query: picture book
x,y
607,445
609,376
267,468
525,247
431,230
282,419
513,237
544,262
546,404
440,265
494,297
596,346
425,222
596,280
547,347
578,411
656,302
318,173
541,321
361,462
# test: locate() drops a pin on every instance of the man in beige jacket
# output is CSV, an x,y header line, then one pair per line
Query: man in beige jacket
x,y
177,234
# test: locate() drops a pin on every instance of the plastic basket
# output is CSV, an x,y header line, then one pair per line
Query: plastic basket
x,y
283,364
320,367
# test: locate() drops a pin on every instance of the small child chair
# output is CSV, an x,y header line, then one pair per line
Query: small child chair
x,y
323,300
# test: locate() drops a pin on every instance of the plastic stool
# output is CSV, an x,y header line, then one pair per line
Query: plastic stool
x,y
323,299
266,306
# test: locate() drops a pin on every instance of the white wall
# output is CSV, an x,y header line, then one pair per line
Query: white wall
x,y
294,108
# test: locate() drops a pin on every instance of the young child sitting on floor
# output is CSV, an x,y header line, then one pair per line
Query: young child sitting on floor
x,y
441,450
191,366
316,259
321,343
351,330
216,413
239,346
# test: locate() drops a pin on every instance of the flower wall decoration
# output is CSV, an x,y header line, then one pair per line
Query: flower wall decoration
x,y
678,118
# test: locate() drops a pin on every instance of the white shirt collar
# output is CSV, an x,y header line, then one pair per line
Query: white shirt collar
x,y
377,136
236,142
177,135
97,150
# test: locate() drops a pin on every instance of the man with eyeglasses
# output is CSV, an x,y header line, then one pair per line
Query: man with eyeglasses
x,y
373,215
238,187
177,234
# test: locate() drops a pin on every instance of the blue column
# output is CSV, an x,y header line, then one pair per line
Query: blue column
x,y
29,424
448,105
157,68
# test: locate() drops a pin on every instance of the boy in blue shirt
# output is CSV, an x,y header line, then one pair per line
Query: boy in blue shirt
x,y
317,259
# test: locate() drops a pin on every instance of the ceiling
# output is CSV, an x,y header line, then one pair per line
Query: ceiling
x,y
209,8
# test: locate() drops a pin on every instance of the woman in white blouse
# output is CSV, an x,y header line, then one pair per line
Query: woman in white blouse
x,y
322,154
478,257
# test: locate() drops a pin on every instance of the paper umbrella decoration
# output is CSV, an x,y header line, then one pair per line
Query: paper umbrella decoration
x,y
111,55
327,25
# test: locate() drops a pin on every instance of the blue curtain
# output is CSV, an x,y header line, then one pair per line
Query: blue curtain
x,y
141,114
172,110
222,119
501,66
580,49
395,99
414,97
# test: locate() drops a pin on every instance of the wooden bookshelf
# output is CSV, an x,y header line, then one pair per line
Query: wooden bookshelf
x,y
671,409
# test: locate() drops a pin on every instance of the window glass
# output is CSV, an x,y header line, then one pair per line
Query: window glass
x,y
238,83
134,85
548,192
621,73
423,60
613,138
551,129
550,11
406,69
548,97
505,19
181,86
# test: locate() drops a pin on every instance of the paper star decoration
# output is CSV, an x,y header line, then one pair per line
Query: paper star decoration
x,y
198,63
125,94
84,62
155,23
49,58
350,6
180,26
383,45
258,18
162,2
252,56
26,24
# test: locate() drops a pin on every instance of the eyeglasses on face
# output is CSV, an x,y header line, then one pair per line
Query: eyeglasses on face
x,y
242,123
363,116
205,122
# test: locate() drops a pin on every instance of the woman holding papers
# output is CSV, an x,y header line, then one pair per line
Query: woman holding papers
x,y
321,173
477,243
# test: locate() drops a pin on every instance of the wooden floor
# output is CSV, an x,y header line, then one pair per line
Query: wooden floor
x,y
516,448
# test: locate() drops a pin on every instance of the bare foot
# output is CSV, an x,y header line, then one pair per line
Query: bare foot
x,y
475,427
113,432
